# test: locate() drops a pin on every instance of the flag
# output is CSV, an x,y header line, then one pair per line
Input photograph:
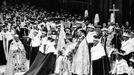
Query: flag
x,y
96,19
112,18
86,13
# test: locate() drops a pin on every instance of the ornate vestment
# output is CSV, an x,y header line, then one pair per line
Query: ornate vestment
x,y
81,62
16,60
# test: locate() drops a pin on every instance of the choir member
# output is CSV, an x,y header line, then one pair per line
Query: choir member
x,y
98,57
35,43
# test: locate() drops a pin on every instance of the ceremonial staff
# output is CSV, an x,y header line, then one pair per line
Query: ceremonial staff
x,y
113,13
113,21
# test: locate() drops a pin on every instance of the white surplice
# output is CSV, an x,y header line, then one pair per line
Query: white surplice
x,y
128,46
97,52
121,67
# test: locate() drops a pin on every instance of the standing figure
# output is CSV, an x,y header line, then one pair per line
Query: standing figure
x,y
40,56
35,43
44,62
67,63
98,57
16,60
63,64
80,61
48,64
2,54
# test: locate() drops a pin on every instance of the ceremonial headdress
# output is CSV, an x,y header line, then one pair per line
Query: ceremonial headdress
x,y
96,19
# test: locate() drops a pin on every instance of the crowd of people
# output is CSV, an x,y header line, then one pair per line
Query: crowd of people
x,y
62,43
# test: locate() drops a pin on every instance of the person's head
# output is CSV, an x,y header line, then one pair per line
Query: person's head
x,y
35,26
126,36
109,23
5,29
117,24
127,23
44,33
81,32
18,23
16,37
111,29
67,30
90,28
12,27
53,34
104,24
68,38
50,38
42,27
35,32
96,39
104,31
132,34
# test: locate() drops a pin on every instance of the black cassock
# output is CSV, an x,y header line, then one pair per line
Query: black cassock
x,y
25,40
23,32
2,54
44,64
101,66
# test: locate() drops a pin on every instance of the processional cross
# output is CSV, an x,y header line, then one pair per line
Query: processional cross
x,y
114,10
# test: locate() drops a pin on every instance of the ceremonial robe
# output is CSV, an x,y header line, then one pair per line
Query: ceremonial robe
x,y
16,60
44,63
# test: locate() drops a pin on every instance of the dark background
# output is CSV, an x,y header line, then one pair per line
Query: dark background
x,y
102,7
